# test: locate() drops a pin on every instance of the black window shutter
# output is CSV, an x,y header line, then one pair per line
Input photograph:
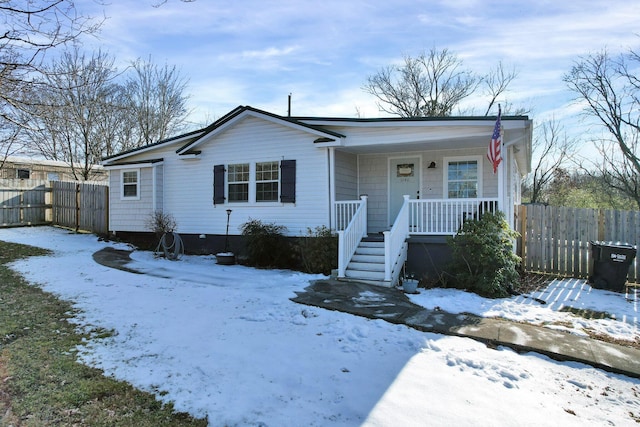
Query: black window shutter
x,y
218,184
288,181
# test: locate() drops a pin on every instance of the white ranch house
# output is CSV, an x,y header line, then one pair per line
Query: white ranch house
x,y
403,183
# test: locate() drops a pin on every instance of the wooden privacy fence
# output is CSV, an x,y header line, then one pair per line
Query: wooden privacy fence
x,y
24,202
557,239
80,206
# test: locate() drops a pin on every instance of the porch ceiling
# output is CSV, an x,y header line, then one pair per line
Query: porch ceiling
x,y
415,136
519,140
391,147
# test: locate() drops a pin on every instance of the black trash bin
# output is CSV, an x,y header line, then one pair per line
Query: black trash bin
x,y
611,261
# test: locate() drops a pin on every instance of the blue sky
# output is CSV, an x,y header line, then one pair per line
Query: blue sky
x,y
256,52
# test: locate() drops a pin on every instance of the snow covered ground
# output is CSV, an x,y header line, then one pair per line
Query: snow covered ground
x,y
225,342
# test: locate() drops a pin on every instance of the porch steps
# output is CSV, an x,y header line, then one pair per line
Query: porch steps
x,y
367,264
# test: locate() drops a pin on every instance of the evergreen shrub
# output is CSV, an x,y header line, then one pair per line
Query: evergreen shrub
x,y
483,259
266,244
318,250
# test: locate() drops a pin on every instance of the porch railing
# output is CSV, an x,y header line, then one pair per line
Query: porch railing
x,y
349,237
416,217
344,211
395,244
445,216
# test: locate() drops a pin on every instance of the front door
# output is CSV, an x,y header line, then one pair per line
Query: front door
x,y
404,179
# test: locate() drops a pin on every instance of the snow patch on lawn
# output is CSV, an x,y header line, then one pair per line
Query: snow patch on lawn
x,y
227,343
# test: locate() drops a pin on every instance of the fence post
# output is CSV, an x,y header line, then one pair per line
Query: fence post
x,y
77,207
600,224
21,210
520,248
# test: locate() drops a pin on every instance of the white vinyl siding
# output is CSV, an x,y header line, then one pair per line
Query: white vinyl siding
x,y
346,179
188,184
131,214
374,182
158,185
185,187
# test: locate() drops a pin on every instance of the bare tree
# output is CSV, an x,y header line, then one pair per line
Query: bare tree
x,y
609,88
29,30
432,84
614,172
9,139
161,2
552,148
157,101
496,83
85,109
77,101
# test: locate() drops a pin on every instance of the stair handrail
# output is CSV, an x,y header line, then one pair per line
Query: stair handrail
x,y
395,247
350,237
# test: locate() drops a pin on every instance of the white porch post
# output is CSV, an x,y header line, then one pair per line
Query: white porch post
x,y
331,155
364,214
387,255
342,267
154,189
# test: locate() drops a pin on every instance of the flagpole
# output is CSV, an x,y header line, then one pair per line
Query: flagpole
x,y
501,181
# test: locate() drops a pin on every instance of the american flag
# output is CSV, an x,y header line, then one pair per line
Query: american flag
x,y
494,153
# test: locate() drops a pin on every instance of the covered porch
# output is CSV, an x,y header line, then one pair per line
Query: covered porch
x,y
380,259
393,179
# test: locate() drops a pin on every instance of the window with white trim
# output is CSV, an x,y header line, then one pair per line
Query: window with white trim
x,y
462,179
130,184
260,182
267,181
238,179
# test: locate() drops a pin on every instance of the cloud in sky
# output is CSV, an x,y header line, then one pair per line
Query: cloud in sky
x,y
255,53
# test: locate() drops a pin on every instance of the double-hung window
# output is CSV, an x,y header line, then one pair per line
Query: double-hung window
x,y
267,181
463,178
130,184
260,182
238,178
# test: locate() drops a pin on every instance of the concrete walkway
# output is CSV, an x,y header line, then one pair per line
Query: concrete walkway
x,y
392,305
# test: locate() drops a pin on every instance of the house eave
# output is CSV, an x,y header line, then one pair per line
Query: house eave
x,y
135,164
180,139
328,142
507,121
193,155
